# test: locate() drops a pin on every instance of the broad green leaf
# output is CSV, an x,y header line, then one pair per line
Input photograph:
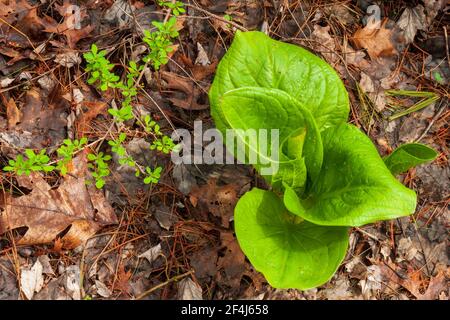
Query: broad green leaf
x,y
354,186
409,155
252,108
290,252
256,60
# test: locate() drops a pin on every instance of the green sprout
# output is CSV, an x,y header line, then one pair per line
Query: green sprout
x,y
162,142
152,176
123,114
66,151
100,167
35,162
150,126
100,69
165,144
129,91
177,7
160,42
119,149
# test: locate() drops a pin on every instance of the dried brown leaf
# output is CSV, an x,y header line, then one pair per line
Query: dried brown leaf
x,y
325,44
72,35
13,114
188,88
411,20
47,212
67,27
95,108
376,39
219,200
233,261
436,285
414,281
42,118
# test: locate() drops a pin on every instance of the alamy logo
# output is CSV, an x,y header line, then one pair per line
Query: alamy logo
x,y
257,147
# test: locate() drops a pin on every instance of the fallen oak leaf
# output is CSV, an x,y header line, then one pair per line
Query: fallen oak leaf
x,y
68,59
69,27
219,200
232,263
95,108
43,117
31,279
72,35
189,290
18,7
376,39
189,89
24,30
14,54
411,20
80,209
123,280
199,72
13,114
436,285
325,44
413,281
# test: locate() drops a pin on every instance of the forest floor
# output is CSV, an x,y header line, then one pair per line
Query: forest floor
x,y
175,239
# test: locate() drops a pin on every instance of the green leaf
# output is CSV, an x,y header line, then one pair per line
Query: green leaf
x,y
100,183
256,60
83,141
271,109
88,56
30,154
409,155
354,186
94,48
289,252
48,168
122,137
147,180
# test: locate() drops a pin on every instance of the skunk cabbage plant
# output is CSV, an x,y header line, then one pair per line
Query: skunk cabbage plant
x,y
330,176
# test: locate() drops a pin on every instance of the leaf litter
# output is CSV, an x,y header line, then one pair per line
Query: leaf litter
x,y
133,235
46,213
